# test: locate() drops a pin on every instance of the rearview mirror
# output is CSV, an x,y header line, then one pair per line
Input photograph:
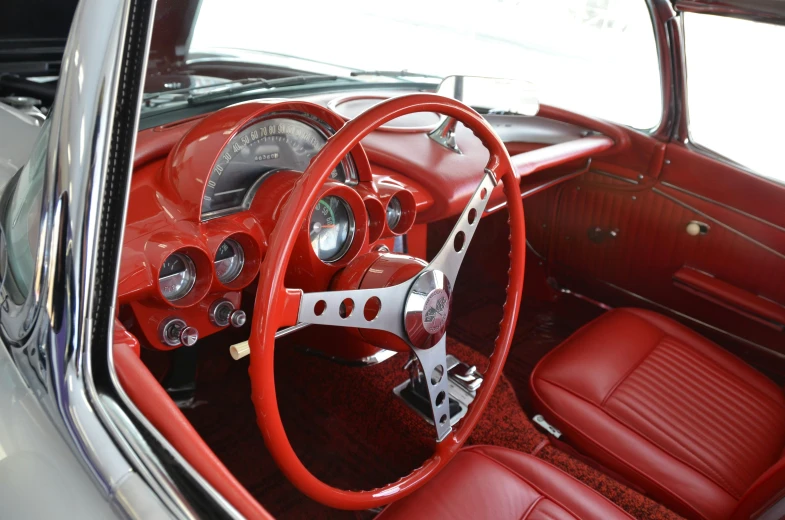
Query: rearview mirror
x,y
492,95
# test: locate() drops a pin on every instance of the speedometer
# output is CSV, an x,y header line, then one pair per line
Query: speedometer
x,y
259,149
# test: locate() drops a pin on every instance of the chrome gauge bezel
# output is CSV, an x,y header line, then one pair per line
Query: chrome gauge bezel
x,y
190,276
349,236
239,256
397,210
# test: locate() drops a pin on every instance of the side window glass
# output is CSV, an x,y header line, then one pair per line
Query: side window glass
x,y
736,90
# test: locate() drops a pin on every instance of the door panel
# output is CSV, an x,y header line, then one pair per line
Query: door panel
x,y
620,236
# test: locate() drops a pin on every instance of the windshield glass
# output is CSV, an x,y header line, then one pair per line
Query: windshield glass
x,y
21,219
596,57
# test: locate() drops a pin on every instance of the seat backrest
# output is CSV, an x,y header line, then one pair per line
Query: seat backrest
x,y
767,492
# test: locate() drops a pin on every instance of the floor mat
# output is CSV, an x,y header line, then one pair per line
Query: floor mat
x,y
351,431
477,310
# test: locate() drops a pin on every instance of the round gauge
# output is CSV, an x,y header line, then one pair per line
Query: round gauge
x,y
229,260
177,276
258,150
331,228
393,212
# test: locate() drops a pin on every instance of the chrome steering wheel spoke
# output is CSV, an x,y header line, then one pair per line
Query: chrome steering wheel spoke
x,y
380,309
452,253
433,363
415,310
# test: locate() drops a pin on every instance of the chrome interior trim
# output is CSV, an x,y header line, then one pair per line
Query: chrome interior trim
x,y
719,223
722,205
613,176
60,339
444,135
289,330
700,323
380,357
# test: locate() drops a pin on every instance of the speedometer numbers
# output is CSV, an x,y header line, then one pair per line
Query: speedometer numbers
x,y
331,228
259,150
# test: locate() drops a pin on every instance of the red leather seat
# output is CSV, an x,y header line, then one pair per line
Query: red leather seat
x,y
695,426
484,482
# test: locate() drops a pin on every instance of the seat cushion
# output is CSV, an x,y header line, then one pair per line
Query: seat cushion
x,y
489,482
665,407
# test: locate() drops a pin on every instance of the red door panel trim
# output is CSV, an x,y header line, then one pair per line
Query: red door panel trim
x,y
724,183
732,295
720,204
718,222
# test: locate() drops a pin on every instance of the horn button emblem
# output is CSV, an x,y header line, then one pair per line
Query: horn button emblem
x,y
427,308
434,314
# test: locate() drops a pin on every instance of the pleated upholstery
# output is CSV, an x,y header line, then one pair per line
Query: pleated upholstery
x,y
698,412
695,426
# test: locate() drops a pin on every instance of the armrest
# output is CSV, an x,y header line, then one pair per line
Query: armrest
x,y
730,296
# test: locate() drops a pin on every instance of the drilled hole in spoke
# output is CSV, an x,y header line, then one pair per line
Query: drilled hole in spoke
x,y
443,419
471,216
440,398
319,307
372,308
460,240
437,374
346,308
483,193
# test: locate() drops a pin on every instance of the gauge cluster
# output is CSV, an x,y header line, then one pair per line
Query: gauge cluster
x,y
260,149
199,219
178,274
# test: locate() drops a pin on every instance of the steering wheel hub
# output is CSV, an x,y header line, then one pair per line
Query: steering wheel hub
x,y
427,308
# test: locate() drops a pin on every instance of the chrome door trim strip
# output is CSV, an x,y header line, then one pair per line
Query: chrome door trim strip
x,y
614,176
696,321
719,223
722,205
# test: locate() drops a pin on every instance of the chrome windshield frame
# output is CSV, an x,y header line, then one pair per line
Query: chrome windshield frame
x,y
60,336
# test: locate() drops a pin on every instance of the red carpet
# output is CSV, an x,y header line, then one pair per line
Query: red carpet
x,y
352,432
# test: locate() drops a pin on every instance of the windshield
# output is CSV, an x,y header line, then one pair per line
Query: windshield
x,y
21,219
596,57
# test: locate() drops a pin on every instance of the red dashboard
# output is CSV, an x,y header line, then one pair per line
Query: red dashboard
x,y
206,193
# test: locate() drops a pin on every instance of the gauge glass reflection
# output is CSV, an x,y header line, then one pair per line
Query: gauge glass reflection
x,y
229,260
177,276
331,228
393,213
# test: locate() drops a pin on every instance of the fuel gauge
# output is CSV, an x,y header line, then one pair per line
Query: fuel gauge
x,y
177,276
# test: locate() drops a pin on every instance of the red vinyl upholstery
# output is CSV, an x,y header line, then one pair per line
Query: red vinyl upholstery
x,y
673,412
489,482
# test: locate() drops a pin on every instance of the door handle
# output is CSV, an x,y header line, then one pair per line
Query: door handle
x,y
695,228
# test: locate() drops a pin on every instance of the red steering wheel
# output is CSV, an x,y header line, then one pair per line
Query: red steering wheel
x,y
414,310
